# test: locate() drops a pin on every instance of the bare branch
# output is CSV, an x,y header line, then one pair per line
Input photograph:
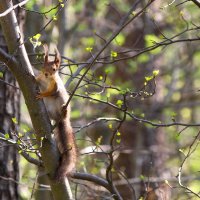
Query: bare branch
x,y
190,151
5,57
26,185
12,8
92,178
4,82
97,180
23,153
196,2
97,120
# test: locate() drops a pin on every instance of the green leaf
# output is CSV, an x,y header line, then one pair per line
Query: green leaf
x,y
118,141
133,13
55,18
173,114
151,40
110,126
113,54
37,36
20,135
142,177
14,120
88,49
148,78
35,42
7,136
120,39
99,140
1,74
119,103
25,130
155,72
118,133
20,151
176,137
142,115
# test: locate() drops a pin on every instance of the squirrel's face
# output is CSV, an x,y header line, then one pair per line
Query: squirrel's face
x,y
51,67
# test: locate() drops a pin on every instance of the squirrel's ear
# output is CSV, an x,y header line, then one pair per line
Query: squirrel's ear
x,y
46,53
57,60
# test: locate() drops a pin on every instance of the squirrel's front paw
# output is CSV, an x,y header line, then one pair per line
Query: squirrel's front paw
x,y
39,95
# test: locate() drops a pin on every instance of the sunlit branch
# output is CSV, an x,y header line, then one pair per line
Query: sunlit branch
x,y
97,120
140,120
12,8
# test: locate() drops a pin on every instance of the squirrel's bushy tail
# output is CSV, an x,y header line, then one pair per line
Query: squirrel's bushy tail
x,y
67,147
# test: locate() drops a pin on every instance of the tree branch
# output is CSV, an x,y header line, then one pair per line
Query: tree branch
x,y
12,8
92,178
134,117
196,2
5,57
97,180
23,153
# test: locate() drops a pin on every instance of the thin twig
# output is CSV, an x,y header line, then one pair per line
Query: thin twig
x,y
23,153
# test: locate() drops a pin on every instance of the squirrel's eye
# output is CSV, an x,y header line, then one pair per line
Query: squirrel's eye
x,y
54,69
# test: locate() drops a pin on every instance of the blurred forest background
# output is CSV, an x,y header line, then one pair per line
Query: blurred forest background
x,y
136,111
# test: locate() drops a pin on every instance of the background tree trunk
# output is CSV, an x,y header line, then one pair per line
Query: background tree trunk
x,y
9,108
9,120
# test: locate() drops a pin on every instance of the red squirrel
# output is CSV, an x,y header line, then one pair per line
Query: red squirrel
x,y
55,97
